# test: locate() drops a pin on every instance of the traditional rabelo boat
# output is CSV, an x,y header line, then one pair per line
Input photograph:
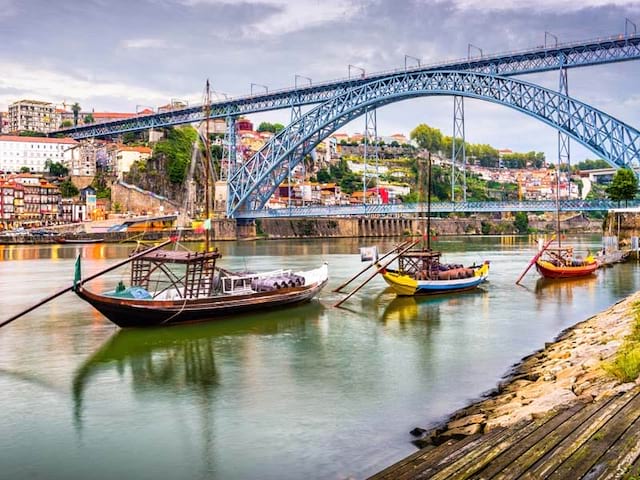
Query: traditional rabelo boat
x,y
78,240
560,263
168,287
420,272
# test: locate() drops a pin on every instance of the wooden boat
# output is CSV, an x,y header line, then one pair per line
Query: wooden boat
x,y
608,258
169,287
421,273
79,240
560,263
611,252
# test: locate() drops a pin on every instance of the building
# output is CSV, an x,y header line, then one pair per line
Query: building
x,y
35,201
124,156
85,156
33,152
32,115
4,122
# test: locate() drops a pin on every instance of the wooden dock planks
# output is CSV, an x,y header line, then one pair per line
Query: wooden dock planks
x,y
585,441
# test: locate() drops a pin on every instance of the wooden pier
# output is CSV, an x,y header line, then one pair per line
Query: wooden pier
x,y
599,440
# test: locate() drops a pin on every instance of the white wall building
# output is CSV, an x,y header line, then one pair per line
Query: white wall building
x,y
125,156
33,152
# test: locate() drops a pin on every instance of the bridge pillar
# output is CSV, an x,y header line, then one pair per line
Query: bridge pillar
x,y
229,153
458,151
563,139
370,143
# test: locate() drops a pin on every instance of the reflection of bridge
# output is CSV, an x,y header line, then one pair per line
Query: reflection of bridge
x,y
252,182
436,207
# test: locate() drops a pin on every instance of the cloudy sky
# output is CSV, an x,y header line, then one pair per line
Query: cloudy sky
x,y
116,55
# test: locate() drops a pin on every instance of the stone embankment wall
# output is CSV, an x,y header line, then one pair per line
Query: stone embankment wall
x,y
397,226
138,200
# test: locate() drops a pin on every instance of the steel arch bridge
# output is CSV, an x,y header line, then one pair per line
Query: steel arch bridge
x,y
253,182
600,51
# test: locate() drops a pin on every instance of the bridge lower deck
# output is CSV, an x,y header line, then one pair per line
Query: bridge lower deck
x,y
599,440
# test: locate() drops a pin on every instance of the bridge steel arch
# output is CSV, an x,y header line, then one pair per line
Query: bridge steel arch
x,y
253,183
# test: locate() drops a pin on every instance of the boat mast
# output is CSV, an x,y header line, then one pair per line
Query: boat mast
x,y
207,156
429,202
558,205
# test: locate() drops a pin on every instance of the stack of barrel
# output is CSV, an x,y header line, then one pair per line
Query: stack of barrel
x,y
268,284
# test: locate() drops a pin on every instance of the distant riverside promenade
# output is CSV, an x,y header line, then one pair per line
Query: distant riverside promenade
x,y
292,228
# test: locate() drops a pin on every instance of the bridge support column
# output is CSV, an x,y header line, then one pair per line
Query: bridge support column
x,y
564,155
458,151
296,114
230,155
370,144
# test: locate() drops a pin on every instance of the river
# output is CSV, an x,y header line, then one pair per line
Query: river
x,y
306,392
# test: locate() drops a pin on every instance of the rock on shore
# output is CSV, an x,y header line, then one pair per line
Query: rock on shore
x,y
566,371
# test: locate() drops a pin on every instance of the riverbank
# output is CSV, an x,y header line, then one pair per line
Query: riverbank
x,y
304,228
567,371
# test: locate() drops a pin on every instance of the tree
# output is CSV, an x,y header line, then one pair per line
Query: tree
x,y
56,169
323,176
88,118
521,222
427,137
75,108
25,170
66,124
624,186
68,189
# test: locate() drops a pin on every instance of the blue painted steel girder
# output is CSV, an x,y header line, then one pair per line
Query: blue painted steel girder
x,y
436,207
256,180
540,59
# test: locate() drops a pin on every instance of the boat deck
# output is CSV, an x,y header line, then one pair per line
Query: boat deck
x,y
594,440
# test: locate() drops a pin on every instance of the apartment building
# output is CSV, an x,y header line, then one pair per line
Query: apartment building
x,y
32,152
33,115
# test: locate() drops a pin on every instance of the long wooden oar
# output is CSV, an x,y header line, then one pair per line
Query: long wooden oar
x,y
369,266
91,277
535,258
378,270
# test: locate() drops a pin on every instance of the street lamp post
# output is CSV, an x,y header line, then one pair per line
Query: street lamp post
x,y
266,89
409,57
303,78
356,68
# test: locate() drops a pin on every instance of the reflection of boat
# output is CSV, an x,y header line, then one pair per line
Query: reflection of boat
x,y
180,357
175,286
549,285
560,263
79,240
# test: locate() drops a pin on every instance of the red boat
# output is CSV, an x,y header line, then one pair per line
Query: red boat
x,y
560,263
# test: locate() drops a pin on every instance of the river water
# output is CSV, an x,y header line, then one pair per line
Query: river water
x,y
306,392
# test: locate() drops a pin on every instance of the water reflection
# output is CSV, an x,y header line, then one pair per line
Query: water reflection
x,y
563,289
180,357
